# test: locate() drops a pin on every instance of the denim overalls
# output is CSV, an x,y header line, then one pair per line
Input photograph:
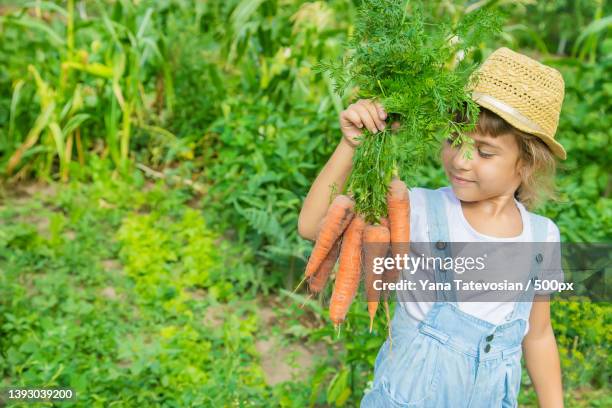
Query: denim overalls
x,y
451,358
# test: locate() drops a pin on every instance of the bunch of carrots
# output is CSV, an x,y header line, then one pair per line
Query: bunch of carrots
x,y
346,237
422,78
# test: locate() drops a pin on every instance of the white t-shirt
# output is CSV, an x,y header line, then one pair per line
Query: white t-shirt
x,y
461,231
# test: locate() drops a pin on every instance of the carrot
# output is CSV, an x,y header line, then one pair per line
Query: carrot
x,y
336,220
384,221
317,281
398,206
349,272
375,245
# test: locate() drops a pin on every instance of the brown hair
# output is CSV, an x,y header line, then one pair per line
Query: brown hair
x,y
538,161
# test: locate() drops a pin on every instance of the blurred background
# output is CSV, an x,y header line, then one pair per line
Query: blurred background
x,y
154,156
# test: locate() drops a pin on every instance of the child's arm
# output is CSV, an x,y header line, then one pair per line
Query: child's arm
x,y
363,113
542,356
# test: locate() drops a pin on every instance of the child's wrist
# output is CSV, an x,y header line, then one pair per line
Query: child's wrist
x,y
347,141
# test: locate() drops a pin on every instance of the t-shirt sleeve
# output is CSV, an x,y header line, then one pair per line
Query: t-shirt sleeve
x,y
552,269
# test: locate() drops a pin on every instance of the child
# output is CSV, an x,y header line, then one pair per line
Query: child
x,y
459,354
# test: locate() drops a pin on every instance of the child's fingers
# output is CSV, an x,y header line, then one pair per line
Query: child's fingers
x,y
366,117
353,118
381,111
380,124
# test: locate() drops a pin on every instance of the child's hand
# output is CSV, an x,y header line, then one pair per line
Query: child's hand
x,y
363,113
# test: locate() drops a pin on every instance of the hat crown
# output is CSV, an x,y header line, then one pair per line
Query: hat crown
x,y
525,92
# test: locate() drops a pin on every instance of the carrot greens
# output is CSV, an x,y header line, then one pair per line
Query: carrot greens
x,y
420,71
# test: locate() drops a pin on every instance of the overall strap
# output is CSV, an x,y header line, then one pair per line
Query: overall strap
x,y
539,230
439,241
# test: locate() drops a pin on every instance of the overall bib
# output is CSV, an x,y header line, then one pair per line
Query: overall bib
x,y
451,358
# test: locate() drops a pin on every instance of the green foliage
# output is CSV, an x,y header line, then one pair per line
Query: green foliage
x,y
165,262
124,321
561,27
580,329
584,212
77,78
274,117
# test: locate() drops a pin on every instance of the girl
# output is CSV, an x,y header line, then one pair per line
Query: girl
x,y
460,354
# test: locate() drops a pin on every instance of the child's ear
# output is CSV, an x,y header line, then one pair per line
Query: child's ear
x,y
519,168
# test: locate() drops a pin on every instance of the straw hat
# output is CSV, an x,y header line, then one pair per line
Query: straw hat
x,y
524,92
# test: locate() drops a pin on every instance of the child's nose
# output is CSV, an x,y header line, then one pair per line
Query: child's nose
x,y
459,161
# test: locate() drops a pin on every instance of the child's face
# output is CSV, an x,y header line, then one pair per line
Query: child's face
x,y
493,170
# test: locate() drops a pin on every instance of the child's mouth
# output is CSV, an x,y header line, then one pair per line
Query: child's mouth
x,y
459,180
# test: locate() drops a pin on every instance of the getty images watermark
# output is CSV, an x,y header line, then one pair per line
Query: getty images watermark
x,y
412,264
492,271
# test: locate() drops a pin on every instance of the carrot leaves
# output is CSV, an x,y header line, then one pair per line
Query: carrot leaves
x,y
420,70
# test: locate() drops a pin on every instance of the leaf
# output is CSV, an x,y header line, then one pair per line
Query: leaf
x,y
343,397
146,19
263,222
593,29
46,5
24,21
243,12
58,137
75,122
41,122
337,387
14,103
95,68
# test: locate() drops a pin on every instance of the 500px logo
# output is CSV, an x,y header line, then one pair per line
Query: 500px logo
x,y
554,285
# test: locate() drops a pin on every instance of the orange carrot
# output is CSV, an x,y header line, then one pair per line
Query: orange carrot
x,y
398,206
384,221
375,245
318,280
349,272
336,220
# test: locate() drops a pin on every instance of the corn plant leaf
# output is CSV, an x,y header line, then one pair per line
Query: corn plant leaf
x,y
594,28
39,125
58,138
14,103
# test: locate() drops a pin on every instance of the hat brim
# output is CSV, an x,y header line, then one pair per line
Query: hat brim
x,y
554,146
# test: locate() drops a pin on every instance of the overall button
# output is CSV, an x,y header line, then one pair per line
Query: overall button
x,y
440,245
489,337
487,348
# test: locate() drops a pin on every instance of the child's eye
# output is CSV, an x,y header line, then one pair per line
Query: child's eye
x,y
485,155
